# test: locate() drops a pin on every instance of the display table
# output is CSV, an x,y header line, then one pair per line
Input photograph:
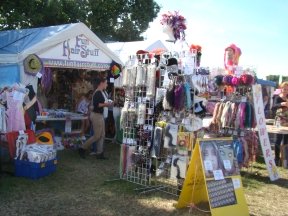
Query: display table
x,y
67,117
270,121
276,130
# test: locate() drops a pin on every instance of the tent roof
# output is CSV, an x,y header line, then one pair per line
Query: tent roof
x,y
124,49
16,41
15,45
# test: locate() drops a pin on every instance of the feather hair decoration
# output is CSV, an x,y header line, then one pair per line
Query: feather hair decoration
x,y
170,96
188,101
179,97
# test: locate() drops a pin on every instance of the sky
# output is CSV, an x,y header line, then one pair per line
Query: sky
x,y
258,27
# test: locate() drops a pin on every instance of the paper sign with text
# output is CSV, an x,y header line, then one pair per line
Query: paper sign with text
x,y
262,132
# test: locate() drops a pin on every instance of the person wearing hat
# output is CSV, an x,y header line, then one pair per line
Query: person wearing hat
x,y
97,120
280,104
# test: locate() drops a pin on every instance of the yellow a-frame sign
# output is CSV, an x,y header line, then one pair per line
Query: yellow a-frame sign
x,y
223,191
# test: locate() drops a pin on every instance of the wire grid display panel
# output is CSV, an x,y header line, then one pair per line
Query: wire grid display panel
x,y
163,178
137,137
171,167
170,170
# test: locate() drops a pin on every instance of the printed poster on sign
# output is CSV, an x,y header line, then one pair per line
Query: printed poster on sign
x,y
218,159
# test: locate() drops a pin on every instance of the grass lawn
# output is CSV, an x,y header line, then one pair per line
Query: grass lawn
x,y
79,187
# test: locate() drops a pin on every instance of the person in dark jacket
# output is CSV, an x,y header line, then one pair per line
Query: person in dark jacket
x,y
97,120
280,105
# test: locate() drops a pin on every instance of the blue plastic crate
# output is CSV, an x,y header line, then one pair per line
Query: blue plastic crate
x,y
34,170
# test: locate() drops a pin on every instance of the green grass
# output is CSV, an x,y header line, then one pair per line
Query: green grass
x,y
91,187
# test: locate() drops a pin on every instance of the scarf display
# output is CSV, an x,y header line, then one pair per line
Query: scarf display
x,y
234,115
188,101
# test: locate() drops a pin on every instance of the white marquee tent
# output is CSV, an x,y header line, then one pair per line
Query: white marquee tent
x,y
63,46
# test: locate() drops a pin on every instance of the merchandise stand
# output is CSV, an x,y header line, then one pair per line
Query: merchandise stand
x,y
163,170
135,162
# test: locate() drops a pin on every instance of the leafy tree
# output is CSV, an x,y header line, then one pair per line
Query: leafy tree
x,y
118,20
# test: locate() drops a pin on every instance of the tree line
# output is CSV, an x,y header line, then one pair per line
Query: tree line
x,y
111,20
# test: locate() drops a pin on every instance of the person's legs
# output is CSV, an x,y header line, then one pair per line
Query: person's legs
x,y
284,151
100,142
86,125
279,138
96,120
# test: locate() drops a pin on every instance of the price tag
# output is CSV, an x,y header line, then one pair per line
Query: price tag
x,y
173,120
227,164
236,183
218,174
187,121
111,80
244,99
150,111
242,134
230,131
150,127
21,132
18,95
208,165
39,75
235,132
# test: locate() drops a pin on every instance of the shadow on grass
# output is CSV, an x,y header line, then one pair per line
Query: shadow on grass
x,y
80,187
256,180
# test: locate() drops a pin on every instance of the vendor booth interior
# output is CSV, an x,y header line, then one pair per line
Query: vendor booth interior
x,y
48,70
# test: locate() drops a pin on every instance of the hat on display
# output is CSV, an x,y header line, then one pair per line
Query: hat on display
x,y
218,80
32,64
142,54
44,138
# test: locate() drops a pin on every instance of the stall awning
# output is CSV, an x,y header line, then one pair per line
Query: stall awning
x,y
266,82
16,45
